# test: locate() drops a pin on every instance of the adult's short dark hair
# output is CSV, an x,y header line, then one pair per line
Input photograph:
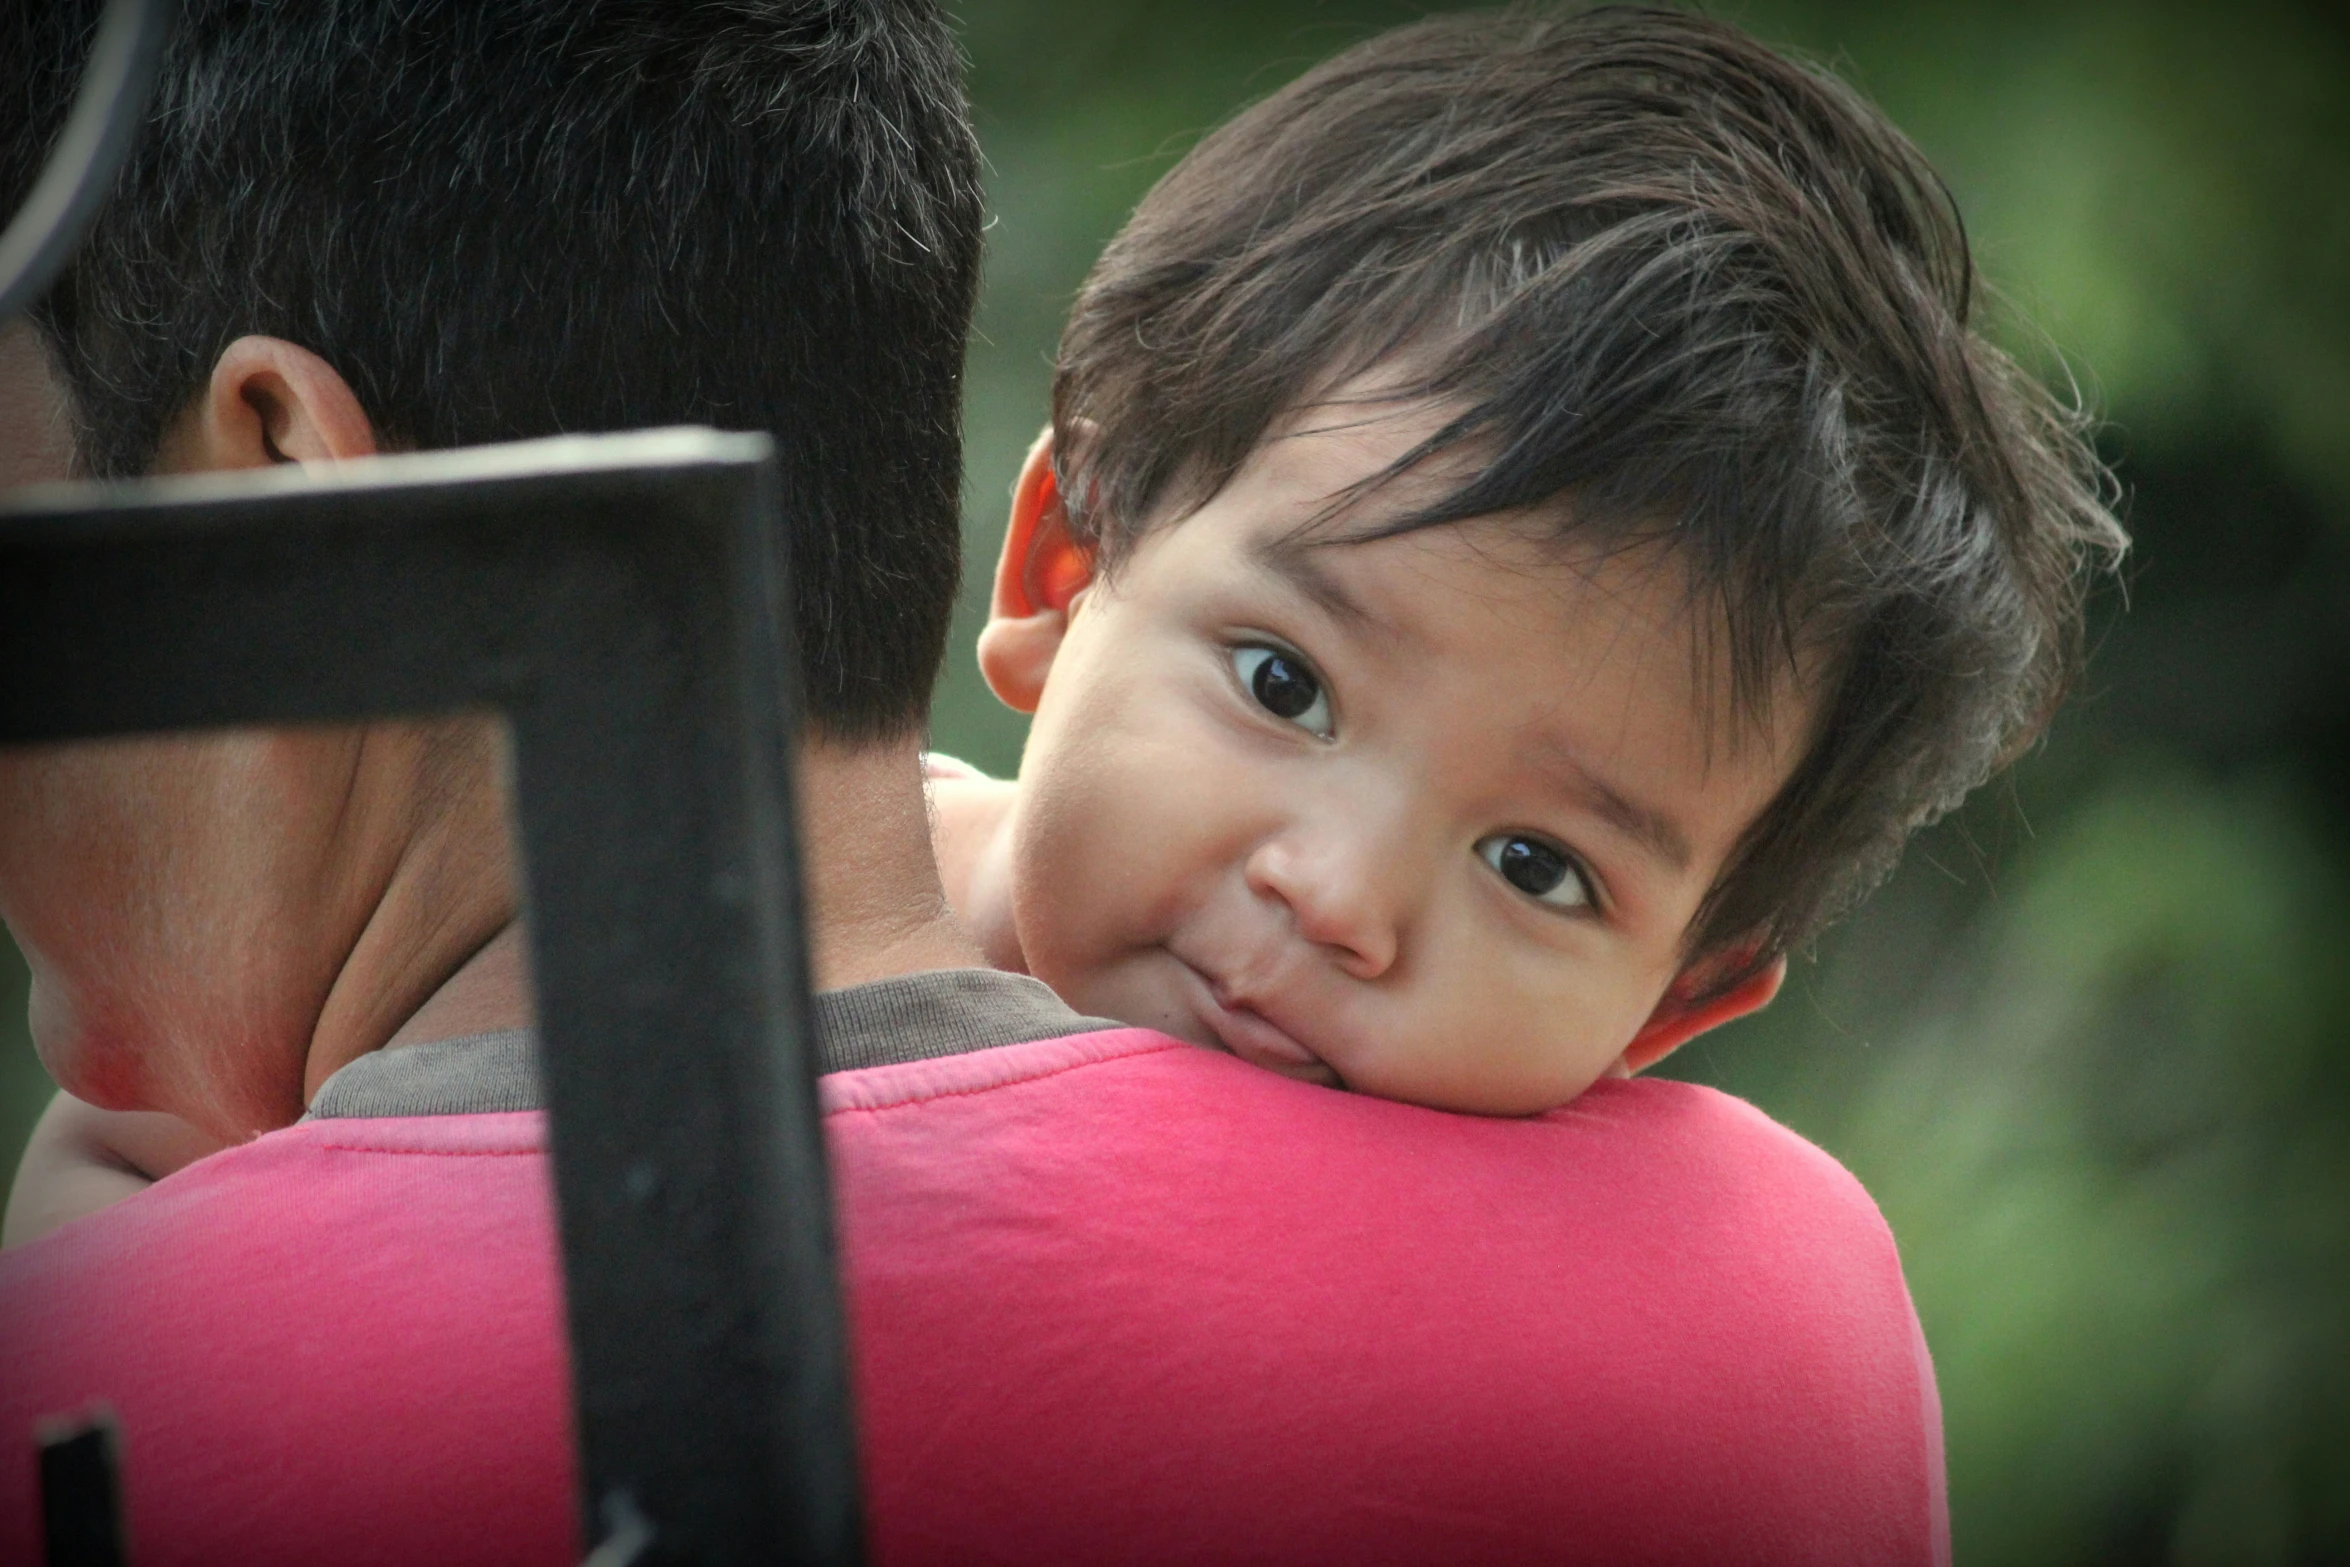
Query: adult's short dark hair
x,y
509,218
1670,284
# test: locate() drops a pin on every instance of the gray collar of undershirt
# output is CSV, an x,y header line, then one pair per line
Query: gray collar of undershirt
x,y
913,1017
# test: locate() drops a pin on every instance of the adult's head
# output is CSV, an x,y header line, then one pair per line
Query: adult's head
x,y
369,226
498,219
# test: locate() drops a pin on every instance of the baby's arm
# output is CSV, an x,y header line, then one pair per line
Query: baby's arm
x,y
82,1159
971,833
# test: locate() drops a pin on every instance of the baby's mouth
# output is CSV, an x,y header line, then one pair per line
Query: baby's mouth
x,y
1240,1029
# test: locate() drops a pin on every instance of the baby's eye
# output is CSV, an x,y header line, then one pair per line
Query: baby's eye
x,y
1284,686
1538,868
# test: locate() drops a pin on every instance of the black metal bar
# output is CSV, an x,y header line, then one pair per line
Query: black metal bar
x,y
90,151
81,1493
618,600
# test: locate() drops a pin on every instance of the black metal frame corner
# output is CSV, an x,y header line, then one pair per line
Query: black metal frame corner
x,y
618,600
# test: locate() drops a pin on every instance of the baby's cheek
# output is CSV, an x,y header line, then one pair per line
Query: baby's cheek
x,y
1073,872
1085,927
1116,832
1515,1038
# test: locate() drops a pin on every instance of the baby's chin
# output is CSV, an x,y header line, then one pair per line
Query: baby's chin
x,y
1150,991
1316,1071
1128,993
1158,991
1503,1096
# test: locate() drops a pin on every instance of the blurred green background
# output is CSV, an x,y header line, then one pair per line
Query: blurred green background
x,y
2089,1048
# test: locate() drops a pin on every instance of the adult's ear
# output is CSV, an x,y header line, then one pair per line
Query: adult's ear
x,y
1691,1005
1039,578
269,401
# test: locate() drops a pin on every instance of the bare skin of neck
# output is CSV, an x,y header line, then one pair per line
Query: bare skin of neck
x,y
875,905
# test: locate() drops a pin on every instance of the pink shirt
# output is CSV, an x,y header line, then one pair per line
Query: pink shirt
x,y
1111,1297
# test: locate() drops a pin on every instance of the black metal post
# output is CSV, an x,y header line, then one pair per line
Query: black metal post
x,y
618,600
81,1493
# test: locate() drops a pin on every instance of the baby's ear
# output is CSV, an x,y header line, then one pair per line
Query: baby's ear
x,y
1038,580
1692,1004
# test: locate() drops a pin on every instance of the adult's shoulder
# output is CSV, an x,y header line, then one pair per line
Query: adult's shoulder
x,y
359,1312
1651,1158
1693,1121
1651,1326
1690,1154
1758,1235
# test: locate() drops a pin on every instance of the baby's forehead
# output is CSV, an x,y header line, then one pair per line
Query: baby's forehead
x,y
1374,462
1313,454
1362,467
1519,611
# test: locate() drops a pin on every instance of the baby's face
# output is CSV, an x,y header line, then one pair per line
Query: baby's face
x,y
1425,817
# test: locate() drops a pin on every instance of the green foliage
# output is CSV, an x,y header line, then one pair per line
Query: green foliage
x,y
2104,1117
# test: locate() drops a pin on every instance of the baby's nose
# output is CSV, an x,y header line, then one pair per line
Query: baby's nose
x,y
1342,894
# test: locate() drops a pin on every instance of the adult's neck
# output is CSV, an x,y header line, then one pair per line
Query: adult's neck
x,y
874,904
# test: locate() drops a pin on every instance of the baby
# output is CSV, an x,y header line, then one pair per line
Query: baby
x,y
1425,815
1527,531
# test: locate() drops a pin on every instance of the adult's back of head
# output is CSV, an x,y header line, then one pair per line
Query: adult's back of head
x,y
500,219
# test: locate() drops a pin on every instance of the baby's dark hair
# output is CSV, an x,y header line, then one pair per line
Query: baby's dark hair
x,y
1670,285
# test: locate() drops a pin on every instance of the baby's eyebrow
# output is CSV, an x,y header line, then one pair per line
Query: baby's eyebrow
x,y
1652,829
1294,561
